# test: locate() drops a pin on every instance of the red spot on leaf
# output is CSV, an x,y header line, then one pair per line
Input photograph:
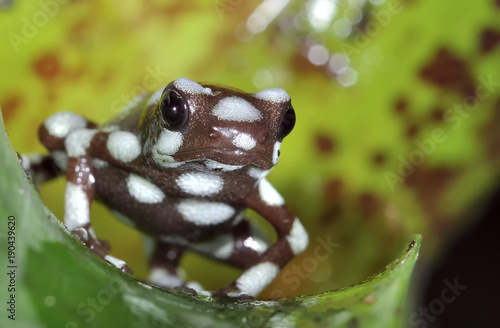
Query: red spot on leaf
x,y
10,105
449,72
333,190
379,159
490,39
401,105
47,67
369,205
412,131
437,114
324,144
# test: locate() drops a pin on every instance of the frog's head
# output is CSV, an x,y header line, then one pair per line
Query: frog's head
x,y
192,121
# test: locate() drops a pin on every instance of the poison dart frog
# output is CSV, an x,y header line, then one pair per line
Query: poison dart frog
x,y
181,165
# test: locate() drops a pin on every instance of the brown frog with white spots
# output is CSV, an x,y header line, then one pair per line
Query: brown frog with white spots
x,y
181,165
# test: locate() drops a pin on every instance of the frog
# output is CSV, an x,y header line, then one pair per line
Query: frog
x,y
181,165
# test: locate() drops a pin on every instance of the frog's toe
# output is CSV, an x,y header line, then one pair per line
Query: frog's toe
x,y
162,277
232,292
196,286
118,263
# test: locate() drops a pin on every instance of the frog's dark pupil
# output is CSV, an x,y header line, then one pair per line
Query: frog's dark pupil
x,y
174,110
287,123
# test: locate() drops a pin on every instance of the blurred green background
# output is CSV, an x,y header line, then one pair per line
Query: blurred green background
x,y
397,102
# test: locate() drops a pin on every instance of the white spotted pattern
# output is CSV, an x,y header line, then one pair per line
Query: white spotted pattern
x,y
77,142
269,195
143,190
216,166
163,278
191,87
298,238
60,158
255,279
276,152
155,97
257,173
257,244
236,109
98,163
114,261
76,207
221,247
200,184
273,94
244,141
61,123
203,213
123,146
167,145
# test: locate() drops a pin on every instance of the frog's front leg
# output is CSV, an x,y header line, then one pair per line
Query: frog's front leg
x,y
71,134
292,240
79,194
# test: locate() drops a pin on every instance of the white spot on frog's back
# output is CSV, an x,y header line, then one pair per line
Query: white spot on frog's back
x,y
200,184
244,141
255,279
203,213
191,87
123,146
236,109
78,141
277,95
61,123
143,190
269,195
76,207
298,239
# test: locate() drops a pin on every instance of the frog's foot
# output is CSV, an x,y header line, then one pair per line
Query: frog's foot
x,y
100,247
165,277
232,292
193,288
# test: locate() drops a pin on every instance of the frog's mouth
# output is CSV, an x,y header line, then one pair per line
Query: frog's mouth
x,y
226,157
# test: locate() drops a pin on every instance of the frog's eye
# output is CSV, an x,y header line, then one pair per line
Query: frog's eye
x,y
287,123
174,110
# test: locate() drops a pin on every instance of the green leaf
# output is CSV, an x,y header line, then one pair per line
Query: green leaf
x,y
60,283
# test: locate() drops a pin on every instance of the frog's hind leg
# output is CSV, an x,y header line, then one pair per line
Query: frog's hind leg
x,y
164,263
